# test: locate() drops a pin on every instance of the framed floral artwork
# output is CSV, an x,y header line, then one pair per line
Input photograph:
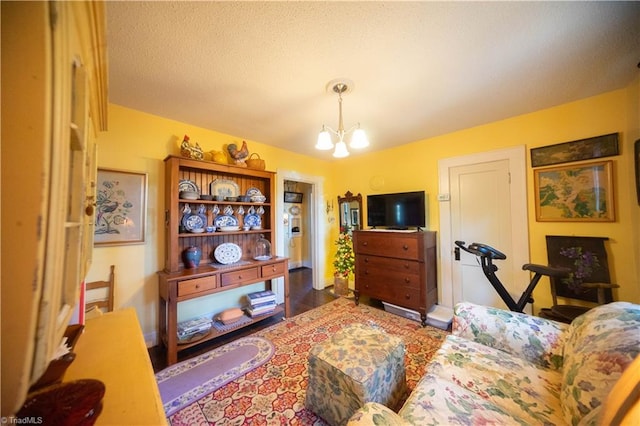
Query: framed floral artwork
x,y
121,207
586,258
580,193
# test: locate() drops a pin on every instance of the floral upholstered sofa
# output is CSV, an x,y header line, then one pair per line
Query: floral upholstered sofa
x,y
501,367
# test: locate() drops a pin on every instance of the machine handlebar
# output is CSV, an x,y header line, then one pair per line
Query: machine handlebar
x,y
482,250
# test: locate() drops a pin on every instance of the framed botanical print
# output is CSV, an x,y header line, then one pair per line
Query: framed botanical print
x,y
121,207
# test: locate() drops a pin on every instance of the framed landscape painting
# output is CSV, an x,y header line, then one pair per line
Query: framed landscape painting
x,y
121,210
580,192
583,149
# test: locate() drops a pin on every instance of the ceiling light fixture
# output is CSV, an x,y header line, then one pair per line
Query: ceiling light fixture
x,y
358,139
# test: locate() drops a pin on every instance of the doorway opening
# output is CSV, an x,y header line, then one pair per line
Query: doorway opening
x,y
296,220
299,228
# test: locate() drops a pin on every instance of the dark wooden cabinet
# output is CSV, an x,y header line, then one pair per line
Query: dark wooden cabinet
x,y
397,267
178,283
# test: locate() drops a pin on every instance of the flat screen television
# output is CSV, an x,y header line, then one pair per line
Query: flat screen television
x,y
401,210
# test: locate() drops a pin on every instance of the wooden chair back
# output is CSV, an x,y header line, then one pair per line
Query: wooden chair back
x,y
106,303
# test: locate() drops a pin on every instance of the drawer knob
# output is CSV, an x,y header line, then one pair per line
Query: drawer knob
x,y
197,285
239,277
405,247
406,266
365,243
366,260
407,280
407,296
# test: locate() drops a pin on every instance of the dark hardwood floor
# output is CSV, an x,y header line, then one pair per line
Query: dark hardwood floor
x,y
303,297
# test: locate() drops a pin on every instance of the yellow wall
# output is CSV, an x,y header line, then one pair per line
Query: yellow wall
x,y
139,141
415,167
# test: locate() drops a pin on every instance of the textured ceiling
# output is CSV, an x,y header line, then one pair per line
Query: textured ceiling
x,y
258,70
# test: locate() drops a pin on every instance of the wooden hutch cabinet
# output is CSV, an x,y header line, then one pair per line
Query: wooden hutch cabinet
x,y
178,283
398,268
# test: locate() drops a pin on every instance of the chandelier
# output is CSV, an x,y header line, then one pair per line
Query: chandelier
x,y
358,139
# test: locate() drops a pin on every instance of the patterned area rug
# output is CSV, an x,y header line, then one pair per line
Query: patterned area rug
x,y
274,393
186,382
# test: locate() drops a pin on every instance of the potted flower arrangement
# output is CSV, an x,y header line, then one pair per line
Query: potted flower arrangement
x,y
344,264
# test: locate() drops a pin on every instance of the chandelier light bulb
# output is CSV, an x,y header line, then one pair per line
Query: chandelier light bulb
x,y
341,150
324,140
359,139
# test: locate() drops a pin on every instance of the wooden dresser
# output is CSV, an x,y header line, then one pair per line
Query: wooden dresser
x,y
397,267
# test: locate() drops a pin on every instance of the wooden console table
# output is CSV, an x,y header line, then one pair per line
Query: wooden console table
x,y
112,350
205,280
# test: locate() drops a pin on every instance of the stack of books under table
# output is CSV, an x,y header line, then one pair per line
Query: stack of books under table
x,y
261,302
188,330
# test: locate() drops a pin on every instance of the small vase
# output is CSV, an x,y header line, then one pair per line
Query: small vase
x,y
191,257
341,285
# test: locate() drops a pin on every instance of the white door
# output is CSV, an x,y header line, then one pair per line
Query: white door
x,y
480,213
483,199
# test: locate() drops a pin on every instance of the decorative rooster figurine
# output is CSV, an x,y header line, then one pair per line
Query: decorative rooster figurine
x,y
239,155
186,150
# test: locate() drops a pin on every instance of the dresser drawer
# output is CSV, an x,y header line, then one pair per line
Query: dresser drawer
x,y
386,244
391,264
197,285
388,272
389,292
273,270
239,277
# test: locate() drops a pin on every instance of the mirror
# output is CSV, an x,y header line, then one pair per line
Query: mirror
x,y
350,211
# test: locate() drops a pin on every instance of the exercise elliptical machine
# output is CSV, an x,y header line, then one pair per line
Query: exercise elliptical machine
x,y
488,254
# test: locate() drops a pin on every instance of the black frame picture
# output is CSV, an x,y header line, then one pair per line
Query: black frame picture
x,y
583,149
292,197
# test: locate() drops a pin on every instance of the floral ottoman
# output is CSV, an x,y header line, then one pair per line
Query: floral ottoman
x,y
358,364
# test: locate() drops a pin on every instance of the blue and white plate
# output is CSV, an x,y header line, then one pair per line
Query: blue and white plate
x,y
252,192
252,220
188,185
194,222
225,220
224,188
227,253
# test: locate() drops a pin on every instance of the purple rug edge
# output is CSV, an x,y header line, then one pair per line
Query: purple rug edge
x,y
175,399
